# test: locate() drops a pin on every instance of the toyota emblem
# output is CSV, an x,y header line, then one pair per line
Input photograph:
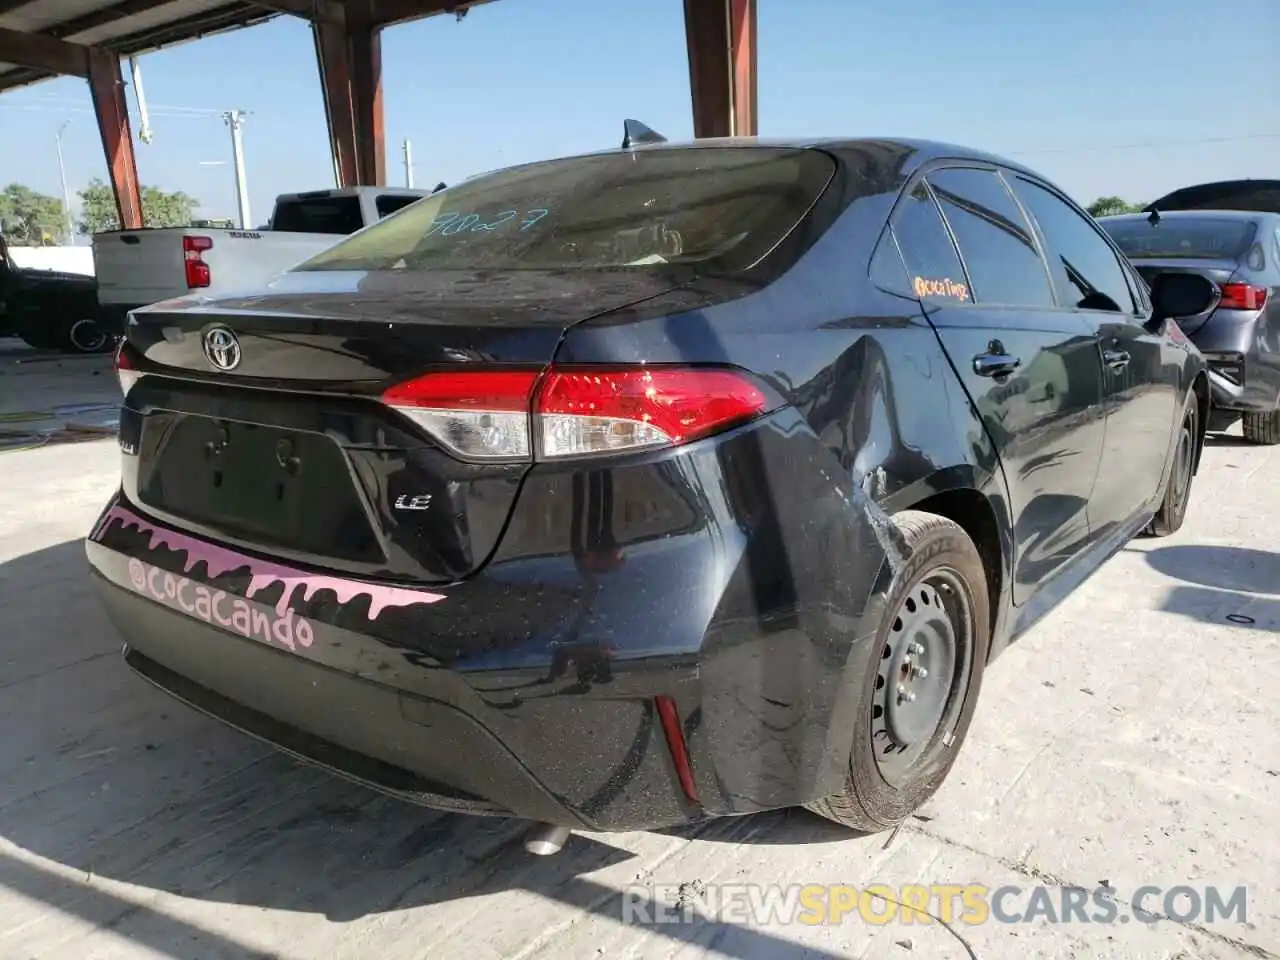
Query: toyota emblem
x,y
221,348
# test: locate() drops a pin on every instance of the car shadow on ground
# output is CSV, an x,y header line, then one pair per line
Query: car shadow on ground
x,y
1232,585
1227,440
102,777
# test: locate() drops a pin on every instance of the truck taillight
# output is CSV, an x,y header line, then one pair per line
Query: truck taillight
x,y
1242,296
127,371
576,411
197,270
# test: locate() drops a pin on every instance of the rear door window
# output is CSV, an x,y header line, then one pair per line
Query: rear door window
x,y
887,270
934,267
995,240
1086,268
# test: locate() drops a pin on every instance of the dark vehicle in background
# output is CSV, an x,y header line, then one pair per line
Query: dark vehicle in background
x,y
51,309
1239,332
1257,196
663,483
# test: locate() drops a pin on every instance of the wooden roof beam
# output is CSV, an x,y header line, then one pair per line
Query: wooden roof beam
x,y
44,53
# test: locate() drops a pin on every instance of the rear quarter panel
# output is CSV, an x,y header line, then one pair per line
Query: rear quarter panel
x,y
877,422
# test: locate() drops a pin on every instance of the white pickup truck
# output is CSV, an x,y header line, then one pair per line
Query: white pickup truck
x,y
139,267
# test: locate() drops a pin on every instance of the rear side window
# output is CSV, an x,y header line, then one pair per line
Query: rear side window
x,y
994,237
334,215
719,209
387,204
1087,269
930,256
1171,237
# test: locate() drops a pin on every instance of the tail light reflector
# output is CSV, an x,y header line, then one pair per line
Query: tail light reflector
x,y
573,411
197,270
679,749
126,370
1242,296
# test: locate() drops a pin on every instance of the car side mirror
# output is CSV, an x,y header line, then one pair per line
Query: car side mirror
x,y
1175,295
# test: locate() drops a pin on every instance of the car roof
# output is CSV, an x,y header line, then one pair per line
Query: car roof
x,y
907,153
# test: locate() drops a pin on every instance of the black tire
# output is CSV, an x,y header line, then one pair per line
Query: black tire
x,y
1262,428
1177,486
887,781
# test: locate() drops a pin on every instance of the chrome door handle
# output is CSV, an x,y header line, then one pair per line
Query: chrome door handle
x,y
995,364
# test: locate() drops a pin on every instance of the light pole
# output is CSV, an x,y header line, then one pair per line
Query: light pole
x,y
235,120
408,164
66,197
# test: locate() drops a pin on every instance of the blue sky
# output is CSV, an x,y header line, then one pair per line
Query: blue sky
x,y
1099,95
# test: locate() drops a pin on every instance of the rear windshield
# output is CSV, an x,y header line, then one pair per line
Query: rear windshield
x,y
334,215
1189,237
722,208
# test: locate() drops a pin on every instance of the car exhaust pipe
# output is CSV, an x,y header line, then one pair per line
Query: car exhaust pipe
x,y
546,839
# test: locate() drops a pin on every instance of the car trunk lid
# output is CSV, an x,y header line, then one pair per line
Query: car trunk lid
x,y
287,447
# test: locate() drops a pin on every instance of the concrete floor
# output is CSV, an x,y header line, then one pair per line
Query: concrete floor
x,y
1133,738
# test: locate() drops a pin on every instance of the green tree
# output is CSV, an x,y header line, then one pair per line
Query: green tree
x,y
31,219
159,208
1109,206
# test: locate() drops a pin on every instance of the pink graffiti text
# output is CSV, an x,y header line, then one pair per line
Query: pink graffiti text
x,y
220,608
263,574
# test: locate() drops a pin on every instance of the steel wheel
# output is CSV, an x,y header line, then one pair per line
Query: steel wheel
x,y
922,673
917,679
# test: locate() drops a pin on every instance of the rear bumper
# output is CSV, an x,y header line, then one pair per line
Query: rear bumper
x,y
529,690
1241,376
359,729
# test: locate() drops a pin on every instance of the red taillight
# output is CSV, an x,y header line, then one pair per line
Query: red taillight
x,y
602,411
197,270
126,370
573,412
1242,296
480,415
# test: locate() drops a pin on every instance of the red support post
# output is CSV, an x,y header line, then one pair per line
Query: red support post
x,y
335,81
742,51
721,39
107,90
349,57
366,94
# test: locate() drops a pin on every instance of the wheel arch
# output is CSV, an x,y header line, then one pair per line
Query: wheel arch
x,y
981,510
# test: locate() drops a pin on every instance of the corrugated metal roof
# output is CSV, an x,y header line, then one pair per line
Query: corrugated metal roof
x,y
126,26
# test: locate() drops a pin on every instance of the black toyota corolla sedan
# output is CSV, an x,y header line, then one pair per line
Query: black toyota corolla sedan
x,y
668,482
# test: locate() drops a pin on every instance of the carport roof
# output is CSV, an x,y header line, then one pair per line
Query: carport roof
x,y
132,26
137,26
